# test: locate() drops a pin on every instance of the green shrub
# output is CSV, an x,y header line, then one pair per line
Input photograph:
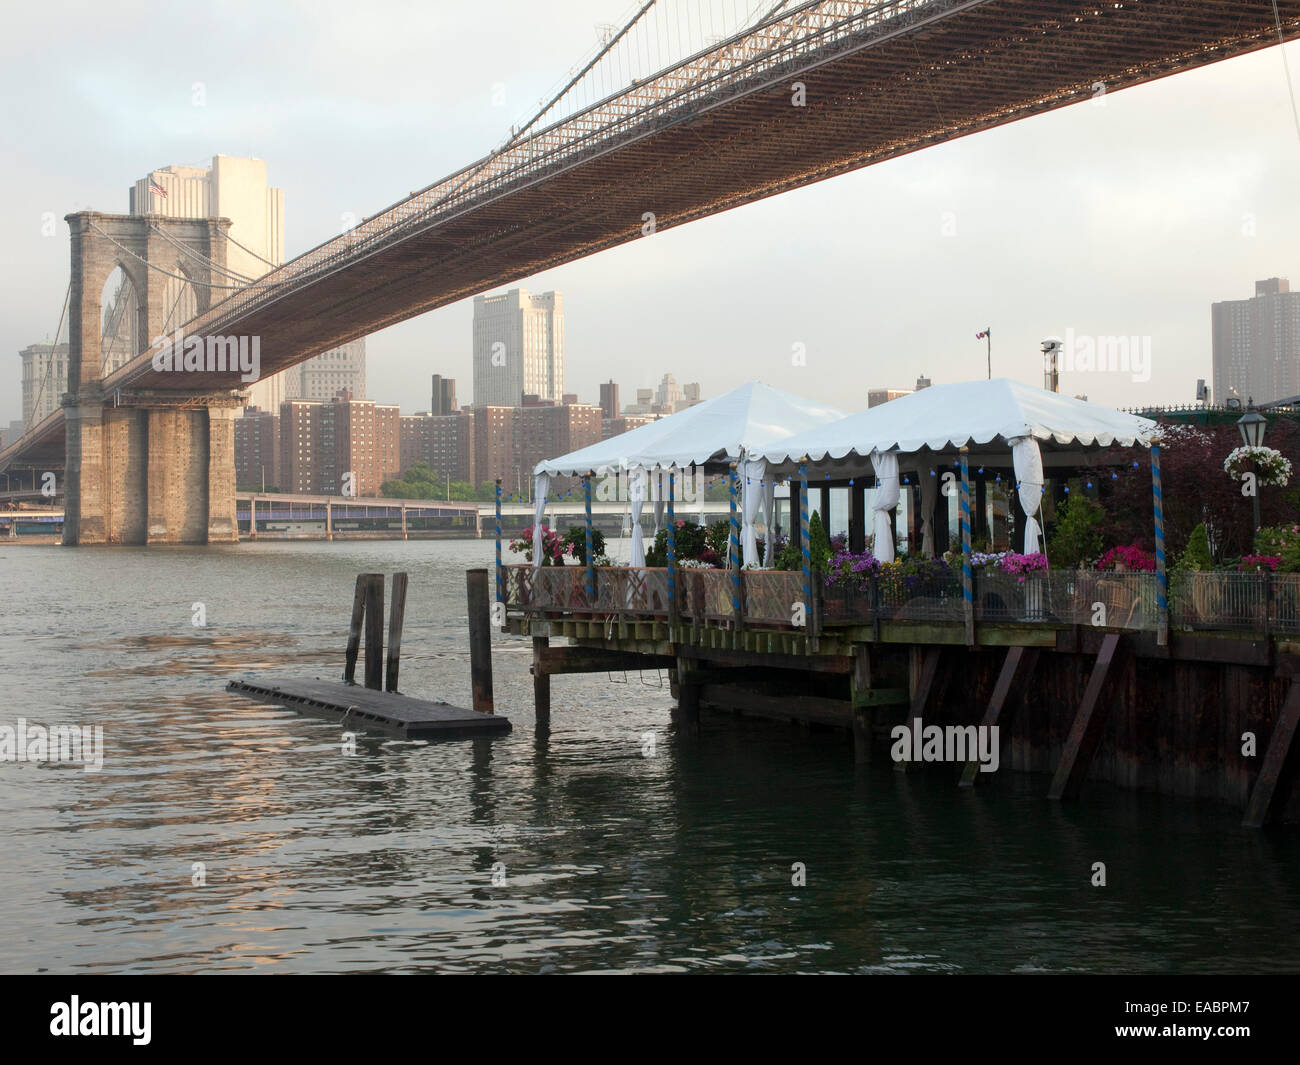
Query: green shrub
x,y
1197,555
576,538
819,548
1076,536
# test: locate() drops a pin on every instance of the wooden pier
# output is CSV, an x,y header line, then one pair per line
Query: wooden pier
x,y
1209,711
361,708
381,705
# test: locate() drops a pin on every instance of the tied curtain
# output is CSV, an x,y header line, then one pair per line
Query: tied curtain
x,y
658,488
769,521
883,501
541,485
1028,462
752,473
636,487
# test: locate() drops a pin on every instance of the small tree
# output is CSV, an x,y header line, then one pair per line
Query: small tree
x,y
1197,556
1076,537
576,539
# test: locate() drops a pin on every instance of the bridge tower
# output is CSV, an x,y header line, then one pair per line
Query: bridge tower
x,y
157,466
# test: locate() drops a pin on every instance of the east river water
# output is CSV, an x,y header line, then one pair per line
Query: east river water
x,y
226,836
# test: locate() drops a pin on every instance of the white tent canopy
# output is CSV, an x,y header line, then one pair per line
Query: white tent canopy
x,y
943,418
728,428
716,431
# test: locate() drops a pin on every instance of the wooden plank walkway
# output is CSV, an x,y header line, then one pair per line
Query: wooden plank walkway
x,y
415,719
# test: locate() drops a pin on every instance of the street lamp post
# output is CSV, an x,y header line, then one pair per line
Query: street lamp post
x,y
1251,425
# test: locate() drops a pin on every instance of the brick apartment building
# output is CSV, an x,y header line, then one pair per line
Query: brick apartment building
x,y
257,449
444,441
345,446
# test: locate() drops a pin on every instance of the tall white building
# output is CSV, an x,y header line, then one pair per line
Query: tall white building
x,y
518,348
323,377
237,189
45,379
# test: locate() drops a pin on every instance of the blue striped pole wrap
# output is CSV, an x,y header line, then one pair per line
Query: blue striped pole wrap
x,y
672,551
806,562
501,576
591,568
733,542
1162,578
967,576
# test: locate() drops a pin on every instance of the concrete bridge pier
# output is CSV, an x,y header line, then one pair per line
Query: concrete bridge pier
x,y
151,474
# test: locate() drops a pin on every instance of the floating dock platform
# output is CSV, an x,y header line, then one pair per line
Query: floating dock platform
x,y
413,719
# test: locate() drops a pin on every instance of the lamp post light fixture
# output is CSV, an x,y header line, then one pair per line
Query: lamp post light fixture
x,y
1251,425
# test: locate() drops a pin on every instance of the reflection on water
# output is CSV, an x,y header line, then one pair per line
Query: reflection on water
x,y
533,853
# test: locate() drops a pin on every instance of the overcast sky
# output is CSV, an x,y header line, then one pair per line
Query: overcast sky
x,y
1129,218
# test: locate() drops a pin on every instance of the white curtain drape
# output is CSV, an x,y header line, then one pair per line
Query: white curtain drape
x,y
1028,462
636,488
658,489
541,485
769,521
751,472
929,495
885,463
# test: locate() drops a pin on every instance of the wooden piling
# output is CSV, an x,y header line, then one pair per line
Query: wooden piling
x,y
396,619
1279,744
480,639
354,629
1017,667
375,631
541,682
860,685
1089,722
925,682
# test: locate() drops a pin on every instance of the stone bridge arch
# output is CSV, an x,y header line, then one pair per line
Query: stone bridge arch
x,y
145,468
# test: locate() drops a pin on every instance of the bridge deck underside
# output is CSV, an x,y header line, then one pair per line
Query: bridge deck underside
x,y
985,65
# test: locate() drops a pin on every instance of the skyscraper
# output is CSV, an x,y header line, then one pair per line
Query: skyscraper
x,y
322,378
1257,344
45,379
609,400
237,189
518,347
444,395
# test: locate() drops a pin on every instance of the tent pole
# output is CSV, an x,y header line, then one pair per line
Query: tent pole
x,y
804,554
591,569
501,581
967,578
1162,578
672,554
733,545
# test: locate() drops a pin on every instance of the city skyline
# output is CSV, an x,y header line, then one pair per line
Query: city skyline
x,y
1125,216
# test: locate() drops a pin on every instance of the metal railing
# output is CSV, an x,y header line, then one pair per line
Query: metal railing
x,y
1222,602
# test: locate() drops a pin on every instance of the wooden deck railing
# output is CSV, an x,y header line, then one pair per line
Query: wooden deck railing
x,y
1242,602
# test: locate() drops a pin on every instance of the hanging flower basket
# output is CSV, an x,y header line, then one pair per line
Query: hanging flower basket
x,y
1270,467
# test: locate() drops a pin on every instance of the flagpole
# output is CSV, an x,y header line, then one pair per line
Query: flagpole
x,y
988,340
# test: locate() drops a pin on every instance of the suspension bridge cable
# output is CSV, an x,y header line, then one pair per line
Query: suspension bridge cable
x,y
54,348
159,269
254,254
1286,66
208,262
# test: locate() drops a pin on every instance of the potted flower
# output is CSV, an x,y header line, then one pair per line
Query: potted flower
x,y
848,576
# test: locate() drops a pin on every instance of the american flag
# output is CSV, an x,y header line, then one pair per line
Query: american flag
x,y
155,187
983,333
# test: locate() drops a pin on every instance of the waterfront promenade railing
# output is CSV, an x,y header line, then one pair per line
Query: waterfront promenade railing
x,y
1224,602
